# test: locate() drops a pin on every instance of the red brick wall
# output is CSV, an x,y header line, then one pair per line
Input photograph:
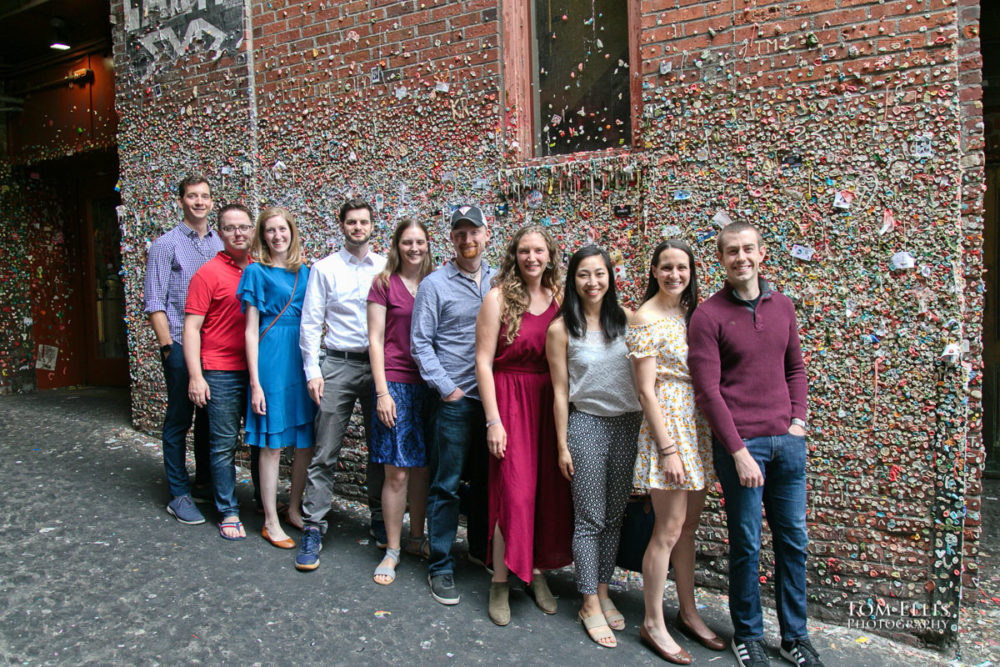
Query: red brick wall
x,y
60,119
769,110
970,66
181,113
843,88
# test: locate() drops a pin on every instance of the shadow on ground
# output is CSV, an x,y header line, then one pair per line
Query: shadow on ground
x,y
93,570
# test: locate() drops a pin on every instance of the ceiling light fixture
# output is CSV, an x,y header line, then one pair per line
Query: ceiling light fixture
x,y
60,39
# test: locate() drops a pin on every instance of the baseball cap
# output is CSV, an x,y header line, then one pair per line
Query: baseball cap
x,y
467,214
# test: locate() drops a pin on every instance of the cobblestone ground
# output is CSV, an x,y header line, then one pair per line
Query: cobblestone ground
x,y
94,571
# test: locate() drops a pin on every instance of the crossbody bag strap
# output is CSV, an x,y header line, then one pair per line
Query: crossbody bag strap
x,y
290,299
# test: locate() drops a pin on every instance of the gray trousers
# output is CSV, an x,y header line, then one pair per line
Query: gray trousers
x,y
344,383
603,451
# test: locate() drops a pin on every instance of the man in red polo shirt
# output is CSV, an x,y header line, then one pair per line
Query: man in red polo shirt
x,y
214,351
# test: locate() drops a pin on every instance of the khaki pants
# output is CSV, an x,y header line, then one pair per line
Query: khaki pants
x,y
344,383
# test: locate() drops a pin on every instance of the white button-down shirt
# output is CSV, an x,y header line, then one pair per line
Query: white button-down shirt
x,y
337,295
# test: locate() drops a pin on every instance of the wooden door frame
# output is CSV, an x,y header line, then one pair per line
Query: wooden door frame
x,y
99,370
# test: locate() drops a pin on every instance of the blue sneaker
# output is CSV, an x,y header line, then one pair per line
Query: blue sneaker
x,y
312,544
182,508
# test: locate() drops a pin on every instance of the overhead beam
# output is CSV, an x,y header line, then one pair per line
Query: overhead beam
x,y
14,7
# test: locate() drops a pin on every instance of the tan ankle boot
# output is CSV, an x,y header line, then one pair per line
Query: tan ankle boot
x,y
499,604
543,596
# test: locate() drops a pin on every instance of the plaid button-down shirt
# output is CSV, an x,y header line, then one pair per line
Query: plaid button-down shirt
x,y
172,260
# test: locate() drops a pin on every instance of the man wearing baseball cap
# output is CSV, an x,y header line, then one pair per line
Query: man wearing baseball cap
x,y
443,343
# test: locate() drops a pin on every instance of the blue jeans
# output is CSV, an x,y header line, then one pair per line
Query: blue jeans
x,y
226,403
457,432
782,458
176,423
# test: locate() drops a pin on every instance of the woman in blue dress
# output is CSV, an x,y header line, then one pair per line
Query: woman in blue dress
x,y
280,412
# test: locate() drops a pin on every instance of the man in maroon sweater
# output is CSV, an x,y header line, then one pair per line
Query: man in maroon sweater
x,y
750,382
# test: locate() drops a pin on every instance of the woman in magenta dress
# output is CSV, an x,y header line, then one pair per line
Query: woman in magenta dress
x,y
531,526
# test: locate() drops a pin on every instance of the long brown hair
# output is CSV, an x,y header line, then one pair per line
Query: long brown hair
x,y
514,295
259,249
393,261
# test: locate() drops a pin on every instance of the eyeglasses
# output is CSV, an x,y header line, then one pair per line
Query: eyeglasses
x,y
229,229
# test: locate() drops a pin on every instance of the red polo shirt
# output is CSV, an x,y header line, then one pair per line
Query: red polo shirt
x,y
212,293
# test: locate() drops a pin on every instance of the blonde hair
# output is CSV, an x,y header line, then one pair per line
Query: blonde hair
x,y
392,260
513,290
259,249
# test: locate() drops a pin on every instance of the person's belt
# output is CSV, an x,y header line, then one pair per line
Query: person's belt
x,y
347,356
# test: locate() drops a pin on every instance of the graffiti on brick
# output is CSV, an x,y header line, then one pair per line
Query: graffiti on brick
x,y
160,31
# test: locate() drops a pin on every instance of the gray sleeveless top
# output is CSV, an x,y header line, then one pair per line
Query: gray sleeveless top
x,y
601,378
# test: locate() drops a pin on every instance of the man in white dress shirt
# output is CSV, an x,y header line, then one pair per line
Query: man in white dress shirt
x,y
336,296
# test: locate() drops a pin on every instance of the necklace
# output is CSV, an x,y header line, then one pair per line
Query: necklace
x,y
411,290
474,275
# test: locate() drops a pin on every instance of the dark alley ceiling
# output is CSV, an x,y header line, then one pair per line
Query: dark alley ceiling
x,y
27,29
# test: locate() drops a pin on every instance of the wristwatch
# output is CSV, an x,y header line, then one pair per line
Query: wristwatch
x,y
798,422
166,348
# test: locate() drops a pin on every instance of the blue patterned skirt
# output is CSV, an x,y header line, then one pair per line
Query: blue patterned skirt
x,y
403,445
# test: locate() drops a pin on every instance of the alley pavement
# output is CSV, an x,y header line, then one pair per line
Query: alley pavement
x,y
94,571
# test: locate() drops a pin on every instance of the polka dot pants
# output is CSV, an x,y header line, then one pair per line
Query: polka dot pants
x,y
603,451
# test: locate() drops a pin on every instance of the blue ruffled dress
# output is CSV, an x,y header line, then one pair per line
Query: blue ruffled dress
x,y
290,411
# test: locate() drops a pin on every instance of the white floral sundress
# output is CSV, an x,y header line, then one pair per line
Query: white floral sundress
x,y
666,339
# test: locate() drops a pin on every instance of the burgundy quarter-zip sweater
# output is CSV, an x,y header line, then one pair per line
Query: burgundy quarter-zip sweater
x,y
746,365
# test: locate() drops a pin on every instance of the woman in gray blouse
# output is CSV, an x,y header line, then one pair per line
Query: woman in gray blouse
x,y
597,417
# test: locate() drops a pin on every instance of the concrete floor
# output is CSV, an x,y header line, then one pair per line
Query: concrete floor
x,y
93,570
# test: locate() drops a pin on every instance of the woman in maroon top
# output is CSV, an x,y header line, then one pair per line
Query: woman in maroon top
x,y
531,510
401,397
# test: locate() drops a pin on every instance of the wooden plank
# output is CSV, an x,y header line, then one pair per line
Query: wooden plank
x,y
516,34
635,69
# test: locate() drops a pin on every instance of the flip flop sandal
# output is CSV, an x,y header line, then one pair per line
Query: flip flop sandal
x,y
237,525
385,570
597,629
614,617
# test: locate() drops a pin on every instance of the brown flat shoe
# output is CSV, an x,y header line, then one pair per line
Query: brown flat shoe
x,y
682,657
713,643
286,543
